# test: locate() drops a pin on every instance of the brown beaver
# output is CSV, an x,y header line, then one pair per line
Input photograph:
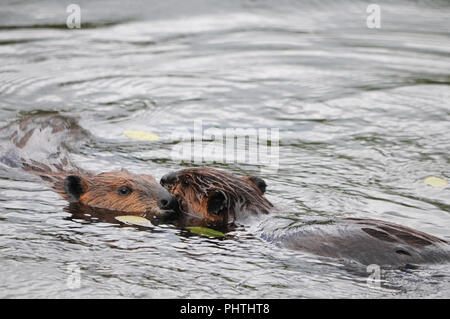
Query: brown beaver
x,y
223,198
217,196
37,144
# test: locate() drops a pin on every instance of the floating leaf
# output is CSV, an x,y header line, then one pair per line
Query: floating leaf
x,y
435,181
134,220
141,135
206,232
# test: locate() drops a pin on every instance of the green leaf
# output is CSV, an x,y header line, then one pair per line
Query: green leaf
x,y
206,232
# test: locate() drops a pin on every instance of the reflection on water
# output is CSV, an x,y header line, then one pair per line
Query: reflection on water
x,y
363,117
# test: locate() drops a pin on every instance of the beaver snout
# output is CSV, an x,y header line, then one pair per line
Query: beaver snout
x,y
167,201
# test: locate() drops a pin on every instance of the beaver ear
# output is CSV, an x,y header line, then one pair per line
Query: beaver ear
x,y
259,182
73,187
217,201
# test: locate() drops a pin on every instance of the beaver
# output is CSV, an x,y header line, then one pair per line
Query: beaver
x,y
223,198
38,145
217,196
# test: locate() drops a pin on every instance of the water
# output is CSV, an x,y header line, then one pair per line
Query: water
x,y
363,116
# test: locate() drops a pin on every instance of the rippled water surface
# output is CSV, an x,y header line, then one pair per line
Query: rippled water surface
x,y
363,116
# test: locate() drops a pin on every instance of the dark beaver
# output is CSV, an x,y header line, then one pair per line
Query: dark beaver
x,y
368,241
37,145
218,196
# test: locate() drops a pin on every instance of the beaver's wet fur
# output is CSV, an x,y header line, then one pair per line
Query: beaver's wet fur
x,y
368,241
38,146
121,191
217,196
221,197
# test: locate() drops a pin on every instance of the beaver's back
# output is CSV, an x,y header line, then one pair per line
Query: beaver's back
x,y
40,141
368,241
38,144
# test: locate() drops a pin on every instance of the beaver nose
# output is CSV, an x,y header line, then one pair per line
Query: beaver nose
x,y
167,202
169,178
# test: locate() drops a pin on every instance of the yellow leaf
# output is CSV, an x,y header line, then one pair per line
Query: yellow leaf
x,y
435,181
135,220
141,135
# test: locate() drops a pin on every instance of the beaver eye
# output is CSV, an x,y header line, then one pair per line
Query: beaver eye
x,y
185,182
124,190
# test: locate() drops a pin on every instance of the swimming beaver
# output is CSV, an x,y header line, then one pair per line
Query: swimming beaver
x,y
37,145
223,198
217,196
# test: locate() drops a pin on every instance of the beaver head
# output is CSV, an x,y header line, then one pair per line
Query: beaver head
x,y
216,195
120,192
